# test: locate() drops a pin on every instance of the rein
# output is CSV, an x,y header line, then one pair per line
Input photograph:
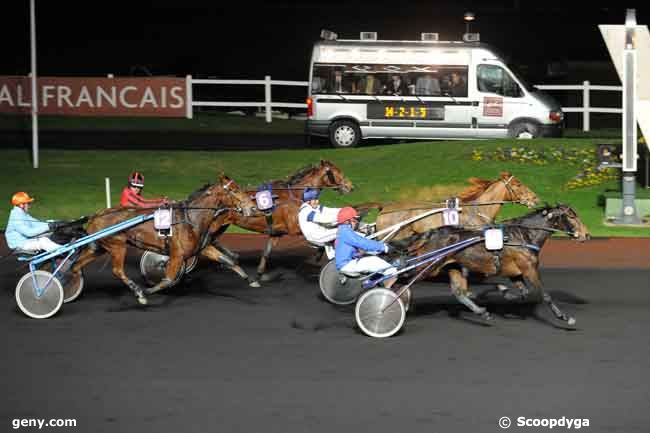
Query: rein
x,y
463,204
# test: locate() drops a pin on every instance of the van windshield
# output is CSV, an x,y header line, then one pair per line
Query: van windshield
x,y
522,78
394,80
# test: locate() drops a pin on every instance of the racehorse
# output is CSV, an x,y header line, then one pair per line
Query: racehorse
x,y
282,219
192,218
480,203
524,238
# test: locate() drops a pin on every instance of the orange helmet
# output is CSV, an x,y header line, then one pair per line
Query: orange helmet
x,y
346,214
136,179
21,198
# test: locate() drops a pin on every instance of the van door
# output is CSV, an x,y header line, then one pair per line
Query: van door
x,y
500,99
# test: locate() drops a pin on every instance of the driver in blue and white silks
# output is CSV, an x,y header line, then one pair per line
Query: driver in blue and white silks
x,y
24,231
349,258
317,222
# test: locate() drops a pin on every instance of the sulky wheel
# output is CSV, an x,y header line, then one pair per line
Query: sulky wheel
x,y
336,291
153,265
72,285
45,304
380,313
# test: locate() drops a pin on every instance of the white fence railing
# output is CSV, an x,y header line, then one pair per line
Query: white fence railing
x,y
586,108
268,103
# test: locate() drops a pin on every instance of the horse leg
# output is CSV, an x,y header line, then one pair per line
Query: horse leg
x,y
212,253
509,293
231,254
171,272
460,290
271,242
533,279
88,255
118,254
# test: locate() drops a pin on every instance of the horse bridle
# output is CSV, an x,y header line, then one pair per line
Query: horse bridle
x,y
511,191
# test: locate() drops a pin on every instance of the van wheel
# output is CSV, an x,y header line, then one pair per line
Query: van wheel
x,y
345,133
524,130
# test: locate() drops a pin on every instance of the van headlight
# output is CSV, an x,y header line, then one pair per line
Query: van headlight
x,y
556,116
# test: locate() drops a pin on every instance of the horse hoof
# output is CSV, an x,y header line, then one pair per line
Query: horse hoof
x,y
142,300
571,321
254,284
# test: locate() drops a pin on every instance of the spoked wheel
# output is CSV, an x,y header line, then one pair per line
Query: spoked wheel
x,y
49,301
72,285
335,291
153,265
380,313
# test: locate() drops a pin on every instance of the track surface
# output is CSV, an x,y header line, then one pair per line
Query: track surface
x,y
214,355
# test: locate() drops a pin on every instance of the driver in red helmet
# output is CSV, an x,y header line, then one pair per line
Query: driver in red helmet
x,y
350,248
131,194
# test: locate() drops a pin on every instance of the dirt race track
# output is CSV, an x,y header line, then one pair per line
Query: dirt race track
x,y
214,355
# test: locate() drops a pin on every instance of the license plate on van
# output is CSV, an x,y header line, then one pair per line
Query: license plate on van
x,y
405,110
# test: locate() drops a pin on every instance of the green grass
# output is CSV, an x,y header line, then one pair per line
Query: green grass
x,y
70,183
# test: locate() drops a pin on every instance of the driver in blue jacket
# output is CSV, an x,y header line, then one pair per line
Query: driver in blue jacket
x,y
350,259
24,231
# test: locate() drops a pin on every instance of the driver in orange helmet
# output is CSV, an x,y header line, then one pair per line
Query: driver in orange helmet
x,y
23,230
131,194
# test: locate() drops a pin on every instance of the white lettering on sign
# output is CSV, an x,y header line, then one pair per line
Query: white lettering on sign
x,y
158,96
5,96
178,98
111,99
64,95
123,96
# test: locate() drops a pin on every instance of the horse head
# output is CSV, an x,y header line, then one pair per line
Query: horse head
x,y
329,175
233,196
517,191
565,218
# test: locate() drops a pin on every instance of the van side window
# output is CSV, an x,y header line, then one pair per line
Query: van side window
x,y
495,79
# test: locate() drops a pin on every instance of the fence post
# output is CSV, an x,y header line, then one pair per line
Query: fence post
x,y
190,97
585,104
267,97
107,181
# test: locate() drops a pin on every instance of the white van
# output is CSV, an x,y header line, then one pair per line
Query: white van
x,y
421,89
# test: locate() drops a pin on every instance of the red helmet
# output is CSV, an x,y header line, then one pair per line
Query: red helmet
x,y
21,198
136,179
346,214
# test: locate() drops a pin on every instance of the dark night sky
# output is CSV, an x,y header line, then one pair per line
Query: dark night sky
x,y
249,39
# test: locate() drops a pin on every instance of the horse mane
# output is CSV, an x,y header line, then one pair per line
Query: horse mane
x,y
301,173
477,187
198,193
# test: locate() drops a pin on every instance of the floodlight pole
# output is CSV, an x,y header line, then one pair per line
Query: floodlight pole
x,y
32,29
629,214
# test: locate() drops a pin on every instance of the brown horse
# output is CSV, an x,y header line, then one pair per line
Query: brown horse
x,y
283,219
480,203
524,238
192,218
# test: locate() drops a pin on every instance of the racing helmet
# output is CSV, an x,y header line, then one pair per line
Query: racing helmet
x,y
136,179
310,194
21,198
346,214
